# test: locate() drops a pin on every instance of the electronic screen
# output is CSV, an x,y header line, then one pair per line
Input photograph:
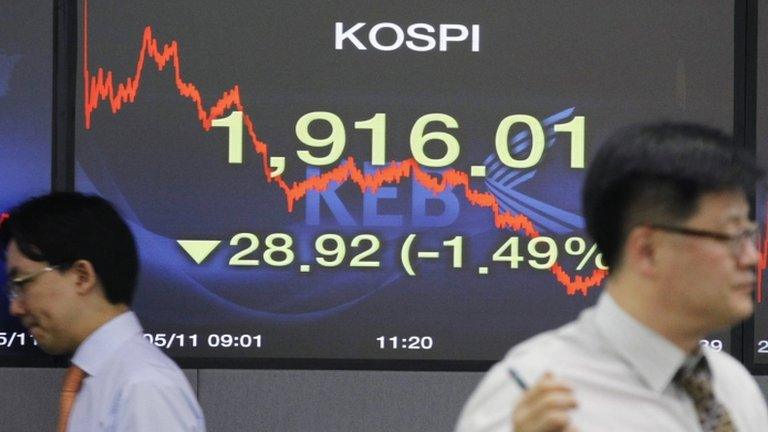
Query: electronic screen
x,y
758,327
26,52
378,180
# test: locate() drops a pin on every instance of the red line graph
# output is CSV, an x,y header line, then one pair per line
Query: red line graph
x,y
763,262
100,87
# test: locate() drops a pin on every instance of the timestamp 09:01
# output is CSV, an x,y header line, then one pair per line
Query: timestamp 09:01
x,y
214,340
406,342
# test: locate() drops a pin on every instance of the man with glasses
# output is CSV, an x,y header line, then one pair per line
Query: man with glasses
x,y
72,265
668,205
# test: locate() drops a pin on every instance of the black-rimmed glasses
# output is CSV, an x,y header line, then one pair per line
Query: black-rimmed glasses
x,y
735,241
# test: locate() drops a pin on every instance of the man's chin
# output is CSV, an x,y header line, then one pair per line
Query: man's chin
x,y
738,312
746,306
53,350
44,343
741,309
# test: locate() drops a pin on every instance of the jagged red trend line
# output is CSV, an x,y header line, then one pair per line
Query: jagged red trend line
x,y
101,87
763,263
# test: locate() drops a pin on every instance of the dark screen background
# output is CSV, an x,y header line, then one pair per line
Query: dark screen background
x,y
760,347
25,117
611,63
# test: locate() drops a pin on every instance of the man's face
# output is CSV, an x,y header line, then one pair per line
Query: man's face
x,y
46,305
709,282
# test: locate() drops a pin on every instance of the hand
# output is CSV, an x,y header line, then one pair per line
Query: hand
x,y
545,407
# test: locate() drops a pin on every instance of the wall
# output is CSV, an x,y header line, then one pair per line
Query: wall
x,y
279,400
272,400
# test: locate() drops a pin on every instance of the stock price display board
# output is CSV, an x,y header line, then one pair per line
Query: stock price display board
x,y
373,181
758,327
25,129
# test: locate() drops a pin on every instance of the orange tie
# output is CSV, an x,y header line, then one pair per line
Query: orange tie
x,y
73,380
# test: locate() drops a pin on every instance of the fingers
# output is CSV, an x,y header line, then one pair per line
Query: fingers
x,y
548,384
545,407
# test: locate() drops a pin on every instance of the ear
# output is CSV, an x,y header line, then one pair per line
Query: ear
x,y
85,276
641,251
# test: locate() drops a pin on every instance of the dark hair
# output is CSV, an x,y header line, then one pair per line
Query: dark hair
x,y
63,227
656,173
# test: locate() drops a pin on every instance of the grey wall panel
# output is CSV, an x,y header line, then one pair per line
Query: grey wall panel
x,y
262,400
762,381
318,401
29,399
192,377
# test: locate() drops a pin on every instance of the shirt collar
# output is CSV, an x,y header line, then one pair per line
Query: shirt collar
x,y
95,350
655,359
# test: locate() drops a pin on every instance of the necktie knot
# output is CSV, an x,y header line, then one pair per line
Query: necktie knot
x,y
696,380
73,379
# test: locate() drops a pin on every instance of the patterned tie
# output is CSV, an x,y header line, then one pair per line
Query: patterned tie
x,y
73,380
697,382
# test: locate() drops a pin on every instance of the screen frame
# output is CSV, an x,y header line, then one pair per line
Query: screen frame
x,y
749,61
64,76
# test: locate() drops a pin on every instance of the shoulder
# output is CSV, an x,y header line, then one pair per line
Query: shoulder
x,y
726,368
139,369
738,390
138,360
490,406
151,392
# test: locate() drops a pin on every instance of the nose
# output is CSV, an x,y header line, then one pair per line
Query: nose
x,y
750,255
16,308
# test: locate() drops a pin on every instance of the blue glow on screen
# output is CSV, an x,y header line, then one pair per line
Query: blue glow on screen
x,y
25,111
25,101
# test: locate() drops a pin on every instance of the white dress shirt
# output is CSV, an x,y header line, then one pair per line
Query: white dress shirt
x,y
131,385
621,372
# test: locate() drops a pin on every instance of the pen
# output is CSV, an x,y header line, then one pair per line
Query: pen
x,y
519,380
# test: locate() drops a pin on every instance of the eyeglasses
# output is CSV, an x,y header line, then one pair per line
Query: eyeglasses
x,y
735,241
14,288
